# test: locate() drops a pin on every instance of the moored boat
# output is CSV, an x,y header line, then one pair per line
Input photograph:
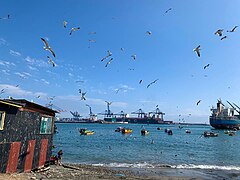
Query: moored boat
x,y
85,131
126,130
210,134
144,132
225,118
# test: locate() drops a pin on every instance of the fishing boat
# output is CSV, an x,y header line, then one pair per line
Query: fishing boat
x,y
144,132
119,129
126,130
224,117
85,131
210,134
188,131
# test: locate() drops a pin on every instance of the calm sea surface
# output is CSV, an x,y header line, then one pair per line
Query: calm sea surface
x,y
109,148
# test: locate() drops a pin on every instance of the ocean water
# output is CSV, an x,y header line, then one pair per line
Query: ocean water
x,y
180,150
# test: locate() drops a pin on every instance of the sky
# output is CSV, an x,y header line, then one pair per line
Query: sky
x,y
166,55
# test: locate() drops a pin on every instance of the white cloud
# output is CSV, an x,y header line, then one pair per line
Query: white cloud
x,y
70,74
32,68
3,41
36,62
6,71
46,82
15,53
6,63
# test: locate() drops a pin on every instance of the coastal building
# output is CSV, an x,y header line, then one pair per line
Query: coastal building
x,y
26,135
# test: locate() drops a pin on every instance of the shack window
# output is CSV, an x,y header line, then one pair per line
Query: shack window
x,y
46,125
2,117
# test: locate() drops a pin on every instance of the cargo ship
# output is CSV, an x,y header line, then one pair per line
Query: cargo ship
x,y
224,117
154,117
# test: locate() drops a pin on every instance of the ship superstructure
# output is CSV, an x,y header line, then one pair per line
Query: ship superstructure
x,y
224,117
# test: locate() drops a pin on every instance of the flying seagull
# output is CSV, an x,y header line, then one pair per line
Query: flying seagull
x,y
224,37
47,47
198,102
149,32
108,62
38,96
219,32
140,81
197,49
65,24
80,91
168,10
83,96
206,66
109,54
2,91
122,49
8,17
92,40
152,83
134,56
233,29
92,32
74,29
51,61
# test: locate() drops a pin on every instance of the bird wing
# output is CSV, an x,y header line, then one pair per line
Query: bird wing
x,y
52,52
198,52
45,42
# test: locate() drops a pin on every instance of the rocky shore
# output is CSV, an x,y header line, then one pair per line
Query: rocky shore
x,y
88,172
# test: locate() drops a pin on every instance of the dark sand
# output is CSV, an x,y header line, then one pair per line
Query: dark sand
x,y
87,172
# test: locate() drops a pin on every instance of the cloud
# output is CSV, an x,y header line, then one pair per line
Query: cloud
x,y
36,62
3,41
32,68
7,63
14,53
46,82
122,87
23,75
18,91
6,71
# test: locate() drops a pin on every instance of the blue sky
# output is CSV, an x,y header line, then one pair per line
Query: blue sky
x,y
167,54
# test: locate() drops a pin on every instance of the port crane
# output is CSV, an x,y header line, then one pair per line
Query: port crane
x,y
157,113
75,114
107,112
140,113
92,116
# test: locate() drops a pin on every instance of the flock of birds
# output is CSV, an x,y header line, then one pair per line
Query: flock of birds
x,y
109,58
219,33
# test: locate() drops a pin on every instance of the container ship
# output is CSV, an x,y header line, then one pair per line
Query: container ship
x,y
154,117
224,117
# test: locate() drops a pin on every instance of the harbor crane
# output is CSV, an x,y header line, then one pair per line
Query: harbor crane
x,y
92,116
107,112
157,113
140,113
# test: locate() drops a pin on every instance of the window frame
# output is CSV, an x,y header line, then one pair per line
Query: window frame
x,y
2,119
43,118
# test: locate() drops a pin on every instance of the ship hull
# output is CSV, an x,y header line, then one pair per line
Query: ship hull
x,y
225,123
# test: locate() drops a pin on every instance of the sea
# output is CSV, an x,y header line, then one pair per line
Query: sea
x,y
158,149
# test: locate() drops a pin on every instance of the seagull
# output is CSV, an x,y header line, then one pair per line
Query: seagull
x,y
51,61
83,96
149,32
80,91
233,29
109,54
198,102
168,10
2,91
38,96
140,81
74,29
65,24
122,49
134,56
152,83
79,81
8,17
206,66
47,47
219,32
224,37
108,62
197,49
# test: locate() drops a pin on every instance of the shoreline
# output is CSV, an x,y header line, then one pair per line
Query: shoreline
x,y
81,171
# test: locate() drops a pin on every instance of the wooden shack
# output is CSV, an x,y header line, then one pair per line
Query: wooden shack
x,y
26,135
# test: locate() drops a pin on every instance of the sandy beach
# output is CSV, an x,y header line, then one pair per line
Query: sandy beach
x,y
83,172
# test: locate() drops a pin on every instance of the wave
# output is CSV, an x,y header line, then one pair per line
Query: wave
x,y
182,166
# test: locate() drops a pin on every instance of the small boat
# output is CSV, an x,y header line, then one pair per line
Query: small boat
x,y
188,131
126,130
210,134
158,128
231,133
144,132
166,130
170,132
119,129
85,131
